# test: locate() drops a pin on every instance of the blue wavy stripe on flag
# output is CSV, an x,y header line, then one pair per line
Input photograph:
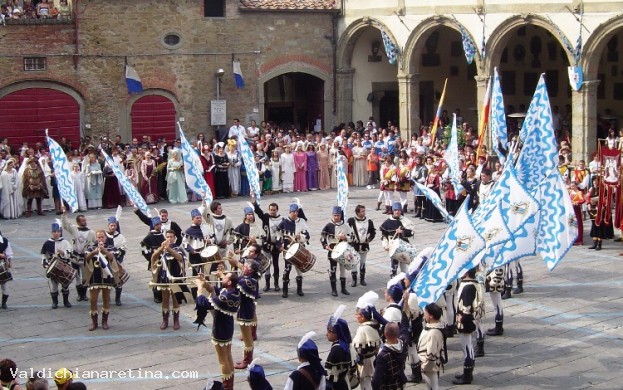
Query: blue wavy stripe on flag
x,y
451,154
523,244
434,198
559,227
127,185
468,46
193,169
577,52
454,254
494,229
249,162
499,190
342,184
499,131
390,48
539,154
62,172
517,201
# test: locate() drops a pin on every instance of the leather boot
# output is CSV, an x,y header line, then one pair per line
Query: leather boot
x,y
519,288
479,351
158,294
84,290
598,245
246,360
79,293
343,285
105,319
267,287
93,322
254,332
5,298
228,384
176,319
299,286
499,326
378,205
594,245
28,212
466,378
362,280
118,296
333,286
66,302
277,283
284,290
388,210
416,373
39,209
354,283
54,300
507,294
418,212
165,320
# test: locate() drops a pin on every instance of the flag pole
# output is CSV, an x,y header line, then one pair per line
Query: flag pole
x,y
433,132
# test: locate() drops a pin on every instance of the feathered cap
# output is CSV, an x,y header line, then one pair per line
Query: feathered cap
x,y
308,350
395,288
418,262
339,326
257,377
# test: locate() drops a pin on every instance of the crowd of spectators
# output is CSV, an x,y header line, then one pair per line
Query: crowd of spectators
x,y
35,9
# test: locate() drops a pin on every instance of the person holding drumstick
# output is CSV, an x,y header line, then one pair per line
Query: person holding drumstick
x,y
363,232
293,230
101,272
194,242
119,242
225,301
58,248
333,233
167,263
393,229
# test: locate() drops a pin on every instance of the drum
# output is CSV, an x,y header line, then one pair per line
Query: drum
x,y
196,243
402,251
5,274
61,272
300,257
264,258
211,253
124,276
346,255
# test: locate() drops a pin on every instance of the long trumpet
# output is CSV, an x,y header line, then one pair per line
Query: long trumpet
x,y
208,262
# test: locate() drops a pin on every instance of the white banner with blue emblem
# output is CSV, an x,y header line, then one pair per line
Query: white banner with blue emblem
x,y
127,185
249,163
454,254
342,183
62,172
523,244
499,131
434,198
576,77
193,169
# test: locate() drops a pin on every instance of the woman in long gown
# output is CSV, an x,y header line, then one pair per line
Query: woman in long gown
x,y
333,155
149,179
287,168
48,203
176,183
275,168
94,182
112,194
300,161
79,185
360,171
433,182
233,171
312,168
324,182
207,161
221,174
244,180
11,200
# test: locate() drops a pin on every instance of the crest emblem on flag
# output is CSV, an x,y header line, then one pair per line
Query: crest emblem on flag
x,y
576,77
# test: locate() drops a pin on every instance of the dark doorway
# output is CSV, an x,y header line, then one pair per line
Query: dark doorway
x,y
294,99
388,108
427,102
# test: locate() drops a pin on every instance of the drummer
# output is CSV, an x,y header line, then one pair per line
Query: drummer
x,y
393,229
293,229
167,262
193,242
270,221
363,233
6,253
248,232
82,237
333,233
119,242
220,226
58,248
249,292
101,272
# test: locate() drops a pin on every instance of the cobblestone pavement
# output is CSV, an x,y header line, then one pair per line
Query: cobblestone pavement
x,y
563,332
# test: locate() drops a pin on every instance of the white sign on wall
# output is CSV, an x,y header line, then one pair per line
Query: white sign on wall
x,y
218,112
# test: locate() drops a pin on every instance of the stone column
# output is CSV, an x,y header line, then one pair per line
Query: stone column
x,y
409,104
584,121
481,90
344,95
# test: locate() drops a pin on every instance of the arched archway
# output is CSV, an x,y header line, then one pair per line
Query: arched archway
x,y
296,93
28,108
153,113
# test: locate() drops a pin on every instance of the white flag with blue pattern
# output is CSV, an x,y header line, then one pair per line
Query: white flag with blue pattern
x,y
249,163
434,198
494,229
499,131
539,154
517,202
342,183
193,169
62,172
453,255
130,191
523,244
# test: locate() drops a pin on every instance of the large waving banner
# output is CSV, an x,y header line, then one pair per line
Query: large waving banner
x,y
193,170
127,185
499,131
342,183
62,170
249,163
